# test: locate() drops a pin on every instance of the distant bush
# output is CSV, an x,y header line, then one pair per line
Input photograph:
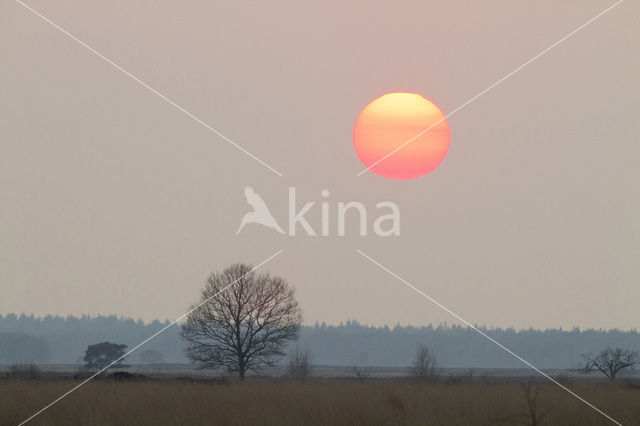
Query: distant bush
x,y
23,371
299,367
103,354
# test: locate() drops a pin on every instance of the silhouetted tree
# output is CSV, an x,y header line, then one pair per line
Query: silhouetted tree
x,y
609,361
244,322
424,364
100,355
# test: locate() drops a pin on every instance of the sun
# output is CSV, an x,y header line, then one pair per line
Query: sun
x,y
392,120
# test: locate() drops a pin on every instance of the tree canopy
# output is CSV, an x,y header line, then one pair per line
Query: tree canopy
x,y
100,355
243,321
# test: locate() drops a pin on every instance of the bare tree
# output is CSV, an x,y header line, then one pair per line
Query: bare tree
x,y
299,367
361,374
424,364
609,361
244,323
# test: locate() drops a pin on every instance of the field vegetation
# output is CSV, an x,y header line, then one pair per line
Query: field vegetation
x,y
142,401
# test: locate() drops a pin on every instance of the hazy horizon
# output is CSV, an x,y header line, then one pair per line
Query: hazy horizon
x,y
114,202
446,324
57,340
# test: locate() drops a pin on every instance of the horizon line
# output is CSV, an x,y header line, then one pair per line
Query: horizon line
x,y
343,323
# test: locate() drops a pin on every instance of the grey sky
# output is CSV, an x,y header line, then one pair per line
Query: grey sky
x,y
113,201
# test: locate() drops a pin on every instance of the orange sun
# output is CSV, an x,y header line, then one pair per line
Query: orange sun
x,y
392,120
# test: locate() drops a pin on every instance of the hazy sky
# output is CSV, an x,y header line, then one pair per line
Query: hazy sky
x,y
113,201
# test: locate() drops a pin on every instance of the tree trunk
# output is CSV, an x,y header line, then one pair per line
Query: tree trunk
x,y
242,368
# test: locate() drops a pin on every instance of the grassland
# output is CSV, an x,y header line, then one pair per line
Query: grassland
x,y
313,402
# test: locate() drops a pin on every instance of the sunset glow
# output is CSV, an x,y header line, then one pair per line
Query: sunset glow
x,y
389,122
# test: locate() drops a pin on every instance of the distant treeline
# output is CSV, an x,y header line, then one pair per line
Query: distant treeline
x,y
54,339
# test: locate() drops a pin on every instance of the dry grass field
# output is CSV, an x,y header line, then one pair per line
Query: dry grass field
x,y
313,402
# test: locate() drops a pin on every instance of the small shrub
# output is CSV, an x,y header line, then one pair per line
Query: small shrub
x,y
23,371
